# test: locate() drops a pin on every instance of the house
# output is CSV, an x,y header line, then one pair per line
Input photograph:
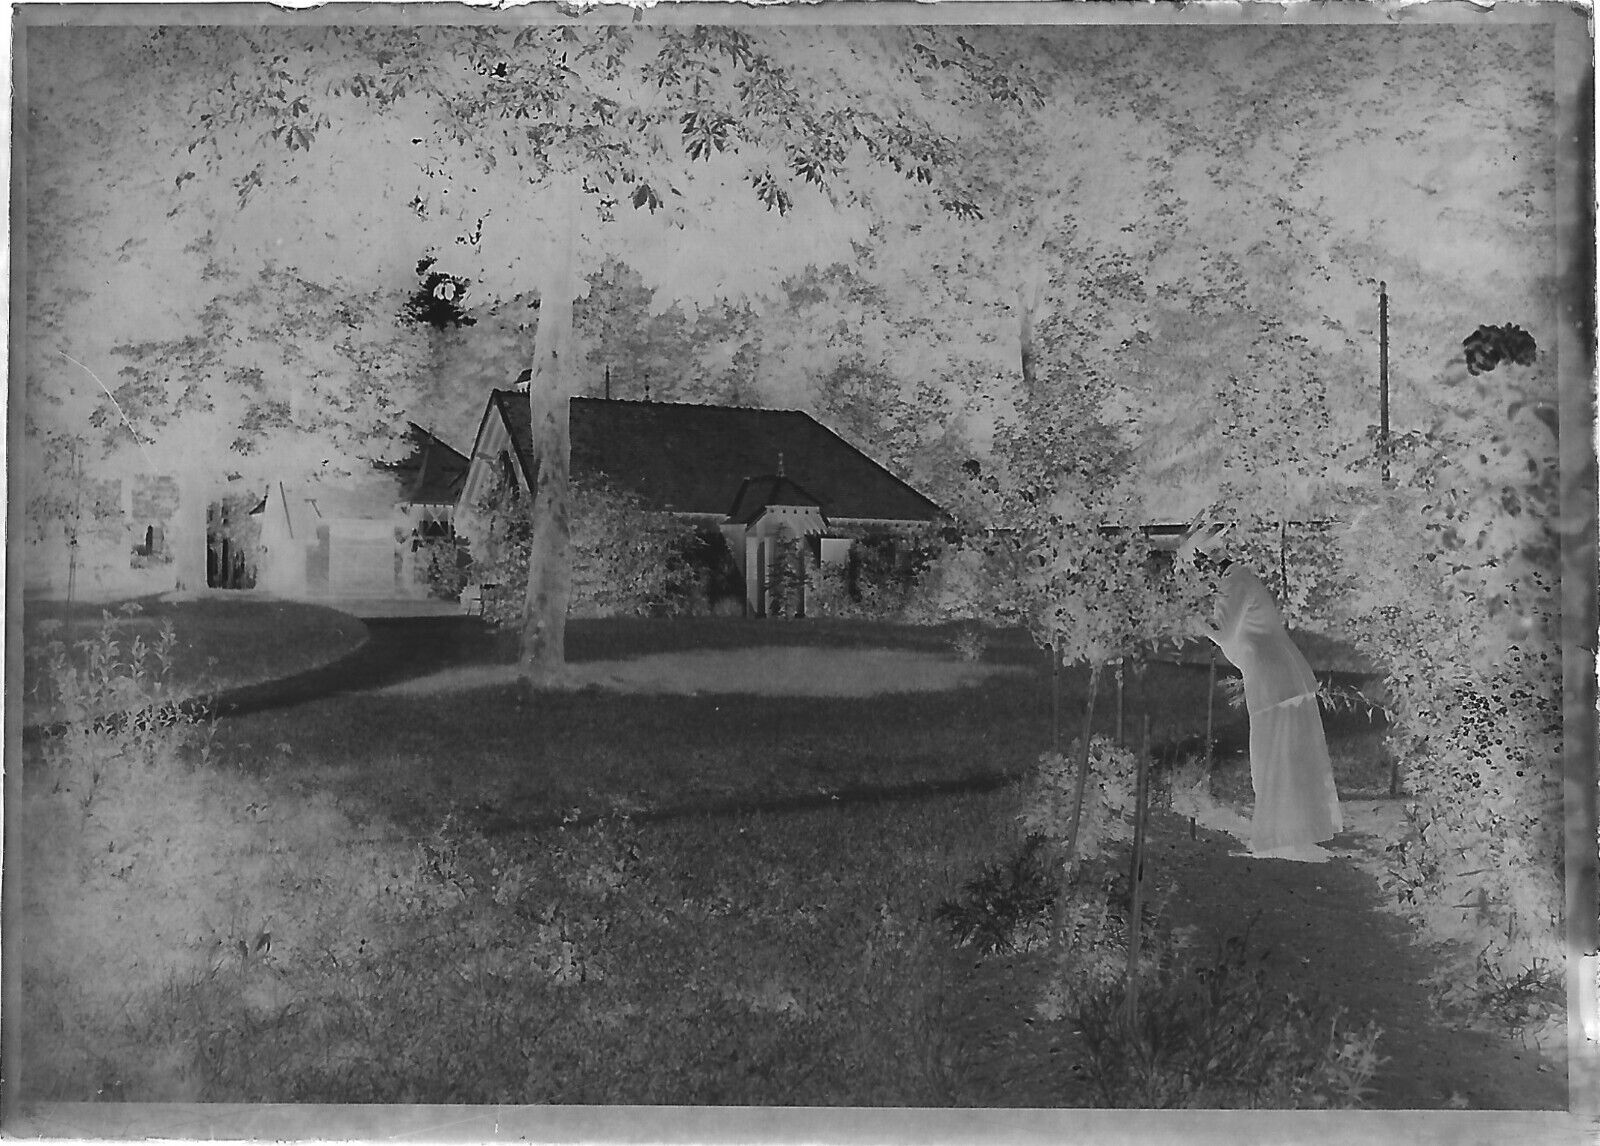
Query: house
x,y
114,532
758,477
359,536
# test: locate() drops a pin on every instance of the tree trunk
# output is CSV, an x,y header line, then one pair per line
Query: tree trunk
x,y
544,609
189,545
1027,303
1083,763
1059,914
1283,563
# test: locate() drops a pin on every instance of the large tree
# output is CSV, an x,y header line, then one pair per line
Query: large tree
x,y
535,152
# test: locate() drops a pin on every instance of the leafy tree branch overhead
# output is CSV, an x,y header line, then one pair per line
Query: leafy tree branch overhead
x,y
532,144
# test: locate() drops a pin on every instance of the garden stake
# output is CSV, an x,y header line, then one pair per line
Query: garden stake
x,y
1211,697
1136,875
1119,703
1055,699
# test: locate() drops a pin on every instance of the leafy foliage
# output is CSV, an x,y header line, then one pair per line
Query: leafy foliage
x,y
1005,907
888,576
280,368
1462,618
626,560
1107,816
440,300
443,564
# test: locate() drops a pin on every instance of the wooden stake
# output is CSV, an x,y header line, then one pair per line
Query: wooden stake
x,y
1211,697
1136,874
1119,704
1055,699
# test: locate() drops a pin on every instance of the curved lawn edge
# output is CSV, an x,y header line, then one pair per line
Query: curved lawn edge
x,y
222,642
764,671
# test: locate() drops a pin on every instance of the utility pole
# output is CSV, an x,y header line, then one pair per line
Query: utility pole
x,y
1383,378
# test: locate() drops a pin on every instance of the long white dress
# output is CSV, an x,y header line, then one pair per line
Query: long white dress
x,y
1297,804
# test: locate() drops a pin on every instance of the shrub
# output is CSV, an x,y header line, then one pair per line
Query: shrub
x,y
625,559
1208,1032
786,578
1461,618
1006,906
1106,816
887,577
443,565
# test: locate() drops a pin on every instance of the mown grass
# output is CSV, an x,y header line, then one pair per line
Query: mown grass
x,y
498,758
221,642
373,898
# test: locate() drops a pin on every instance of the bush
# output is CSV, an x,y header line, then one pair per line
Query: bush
x,y
1006,907
1461,616
786,578
626,561
886,578
443,565
1107,813
1208,1033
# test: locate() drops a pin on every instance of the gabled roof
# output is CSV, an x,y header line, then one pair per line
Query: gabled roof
x,y
688,458
757,493
432,473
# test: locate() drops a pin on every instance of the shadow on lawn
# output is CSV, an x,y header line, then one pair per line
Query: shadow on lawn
x,y
400,649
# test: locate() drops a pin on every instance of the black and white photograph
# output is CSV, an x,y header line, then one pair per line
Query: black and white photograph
x,y
839,572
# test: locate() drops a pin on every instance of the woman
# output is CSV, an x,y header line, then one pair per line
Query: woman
x,y
1297,804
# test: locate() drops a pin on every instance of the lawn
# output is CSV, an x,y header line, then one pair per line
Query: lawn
x,y
500,761
220,641
585,896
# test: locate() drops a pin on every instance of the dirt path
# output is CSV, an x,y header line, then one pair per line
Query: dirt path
x,y
1324,930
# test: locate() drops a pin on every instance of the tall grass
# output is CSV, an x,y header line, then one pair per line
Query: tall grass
x,y
144,867
1207,1032
688,963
